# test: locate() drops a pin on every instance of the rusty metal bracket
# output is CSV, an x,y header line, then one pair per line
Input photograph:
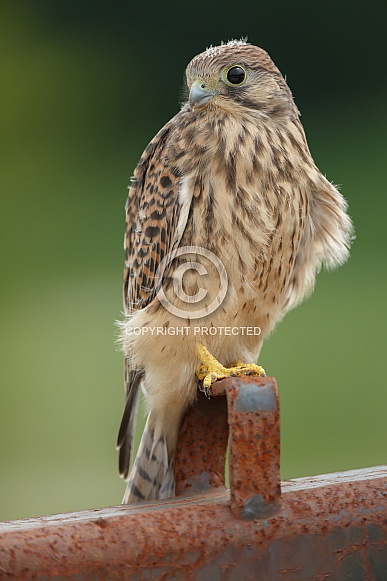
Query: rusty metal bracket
x,y
252,409
330,527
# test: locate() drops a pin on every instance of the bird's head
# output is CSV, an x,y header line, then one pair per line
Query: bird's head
x,y
236,76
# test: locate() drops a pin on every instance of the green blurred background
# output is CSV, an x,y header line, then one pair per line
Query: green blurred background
x,y
84,87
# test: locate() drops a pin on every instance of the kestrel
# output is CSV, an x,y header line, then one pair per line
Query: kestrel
x,y
228,181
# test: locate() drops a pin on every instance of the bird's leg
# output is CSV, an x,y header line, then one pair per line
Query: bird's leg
x,y
211,370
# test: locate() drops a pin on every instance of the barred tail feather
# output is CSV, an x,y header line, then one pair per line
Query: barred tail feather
x,y
152,475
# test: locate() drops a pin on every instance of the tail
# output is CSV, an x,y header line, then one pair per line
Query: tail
x,y
152,475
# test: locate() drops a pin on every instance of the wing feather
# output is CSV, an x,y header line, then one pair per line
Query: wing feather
x,y
152,214
153,210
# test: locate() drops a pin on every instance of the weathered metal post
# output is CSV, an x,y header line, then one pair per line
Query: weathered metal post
x,y
253,425
253,413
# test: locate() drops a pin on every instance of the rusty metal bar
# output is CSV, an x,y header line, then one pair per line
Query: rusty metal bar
x,y
330,527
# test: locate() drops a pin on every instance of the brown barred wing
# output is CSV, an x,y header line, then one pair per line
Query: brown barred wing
x,y
152,214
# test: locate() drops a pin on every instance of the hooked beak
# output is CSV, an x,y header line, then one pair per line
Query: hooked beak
x,y
200,94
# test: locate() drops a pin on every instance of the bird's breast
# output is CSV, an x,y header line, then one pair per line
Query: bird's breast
x,y
248,203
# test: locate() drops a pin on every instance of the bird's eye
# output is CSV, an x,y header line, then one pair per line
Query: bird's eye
x,y
236,75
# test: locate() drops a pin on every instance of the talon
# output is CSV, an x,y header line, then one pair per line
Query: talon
x,y
207,392
211,370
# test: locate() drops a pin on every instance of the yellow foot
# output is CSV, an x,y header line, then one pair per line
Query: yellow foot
x,y
211,370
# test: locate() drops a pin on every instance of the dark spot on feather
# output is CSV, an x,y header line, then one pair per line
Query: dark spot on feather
x,y
142,253
136,492
165,182
158,214
143,474
270,265
152,231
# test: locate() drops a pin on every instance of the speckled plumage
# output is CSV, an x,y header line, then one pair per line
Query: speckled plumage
x,y
233,175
